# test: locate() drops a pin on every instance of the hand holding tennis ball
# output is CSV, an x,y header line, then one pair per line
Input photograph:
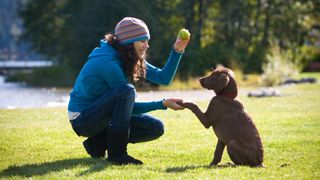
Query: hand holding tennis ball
x,y
182,40
184,34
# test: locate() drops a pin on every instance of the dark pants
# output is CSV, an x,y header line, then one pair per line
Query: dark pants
x,y
114,109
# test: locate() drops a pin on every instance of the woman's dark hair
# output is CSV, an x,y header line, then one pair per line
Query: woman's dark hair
x,y
134,66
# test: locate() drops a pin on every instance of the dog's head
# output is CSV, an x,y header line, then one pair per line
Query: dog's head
x,y
221,81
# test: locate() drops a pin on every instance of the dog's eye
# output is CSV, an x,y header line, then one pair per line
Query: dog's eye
x,y
213,78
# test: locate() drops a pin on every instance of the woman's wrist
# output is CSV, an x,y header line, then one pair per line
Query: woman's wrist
x,y
164,104
178,50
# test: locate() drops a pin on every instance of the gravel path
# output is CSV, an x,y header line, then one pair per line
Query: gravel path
x,y
14,96
186,95
24,97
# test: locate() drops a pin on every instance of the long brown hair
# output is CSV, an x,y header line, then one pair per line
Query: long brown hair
x,y
134,66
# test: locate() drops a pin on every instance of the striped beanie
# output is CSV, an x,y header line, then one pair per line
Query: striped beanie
x,y
130,30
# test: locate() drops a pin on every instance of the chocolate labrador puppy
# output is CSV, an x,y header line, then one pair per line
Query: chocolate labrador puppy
x,y
231,123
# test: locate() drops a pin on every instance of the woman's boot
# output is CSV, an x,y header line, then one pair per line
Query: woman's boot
x,y
117,147
96,146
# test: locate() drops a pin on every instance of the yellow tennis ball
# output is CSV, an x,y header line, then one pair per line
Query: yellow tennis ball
x,y
184,34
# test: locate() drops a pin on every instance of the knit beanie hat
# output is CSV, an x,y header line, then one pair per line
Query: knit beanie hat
x,y
130,30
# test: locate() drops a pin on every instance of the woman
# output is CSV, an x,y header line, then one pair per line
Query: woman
x,y
102,103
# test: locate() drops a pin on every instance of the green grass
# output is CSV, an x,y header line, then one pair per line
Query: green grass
x,y
40,143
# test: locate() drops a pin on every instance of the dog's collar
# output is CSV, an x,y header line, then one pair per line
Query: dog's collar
x,y
228,95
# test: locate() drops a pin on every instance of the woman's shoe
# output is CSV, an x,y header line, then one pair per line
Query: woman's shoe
x,y
96,146
92,149
117,147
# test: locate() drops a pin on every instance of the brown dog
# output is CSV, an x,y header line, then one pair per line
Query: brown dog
x,y
231,123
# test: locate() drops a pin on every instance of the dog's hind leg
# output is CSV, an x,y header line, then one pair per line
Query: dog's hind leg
x,y
218,153
236,152
253,157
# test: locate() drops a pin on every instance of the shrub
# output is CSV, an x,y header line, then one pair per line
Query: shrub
x,y
278,67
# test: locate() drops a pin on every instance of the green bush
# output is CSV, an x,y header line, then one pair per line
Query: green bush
x,y
56,76
278,67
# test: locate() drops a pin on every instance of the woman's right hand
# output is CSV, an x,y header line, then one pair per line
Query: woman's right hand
x,y
180,45
173,103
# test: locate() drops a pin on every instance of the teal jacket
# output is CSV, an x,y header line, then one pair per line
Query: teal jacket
x,y
103,71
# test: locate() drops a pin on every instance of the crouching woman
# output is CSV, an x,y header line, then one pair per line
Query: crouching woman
x,y
102,103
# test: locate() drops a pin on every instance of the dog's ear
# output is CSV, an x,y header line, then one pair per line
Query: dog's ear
x,y
222,81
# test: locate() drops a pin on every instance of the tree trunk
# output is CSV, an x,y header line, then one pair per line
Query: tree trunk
x,y
256,23
265,37
190,15
200,21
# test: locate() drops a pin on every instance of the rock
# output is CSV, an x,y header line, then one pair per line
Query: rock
x,y
264,92
298,81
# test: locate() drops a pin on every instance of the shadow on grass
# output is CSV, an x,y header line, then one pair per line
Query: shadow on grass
x,y
185,168
30,170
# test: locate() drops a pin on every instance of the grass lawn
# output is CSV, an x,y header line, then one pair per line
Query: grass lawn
x,y
40,143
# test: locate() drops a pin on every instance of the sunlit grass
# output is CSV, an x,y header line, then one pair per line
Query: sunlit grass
x,y
40,143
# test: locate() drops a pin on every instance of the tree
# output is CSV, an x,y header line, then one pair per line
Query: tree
x,y
232,33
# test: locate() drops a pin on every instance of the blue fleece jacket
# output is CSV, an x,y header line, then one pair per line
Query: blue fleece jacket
x,y
103,71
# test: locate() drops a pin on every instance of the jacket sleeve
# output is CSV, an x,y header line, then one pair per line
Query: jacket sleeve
x,y
144,107
165,75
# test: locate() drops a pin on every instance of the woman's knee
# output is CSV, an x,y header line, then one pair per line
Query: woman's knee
x,y
145,128
127,91
158,128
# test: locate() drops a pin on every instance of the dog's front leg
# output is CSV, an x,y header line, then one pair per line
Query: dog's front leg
x,y
197,111
218,153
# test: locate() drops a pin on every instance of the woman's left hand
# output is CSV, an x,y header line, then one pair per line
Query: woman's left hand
x,y
180,45
172,103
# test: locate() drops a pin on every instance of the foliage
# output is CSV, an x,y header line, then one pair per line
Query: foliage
x,y
40,144
226,32
278,67
59,76
307,54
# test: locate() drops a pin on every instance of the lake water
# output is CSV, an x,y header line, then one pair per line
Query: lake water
x,y
15,95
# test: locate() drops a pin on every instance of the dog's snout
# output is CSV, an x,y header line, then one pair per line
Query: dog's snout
x,y
201,80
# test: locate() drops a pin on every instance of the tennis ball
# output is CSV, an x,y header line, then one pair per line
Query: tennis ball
x,y
184,34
